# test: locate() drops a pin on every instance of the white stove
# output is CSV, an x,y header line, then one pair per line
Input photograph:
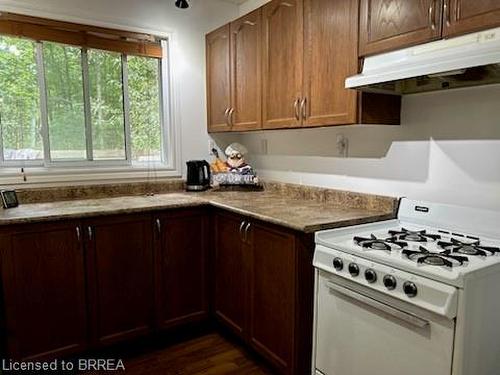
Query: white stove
x,y
414,295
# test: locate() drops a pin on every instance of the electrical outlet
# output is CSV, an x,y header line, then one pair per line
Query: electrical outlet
x,y
342,145
211,145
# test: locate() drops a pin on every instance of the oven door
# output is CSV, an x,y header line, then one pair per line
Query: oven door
x,y
358,334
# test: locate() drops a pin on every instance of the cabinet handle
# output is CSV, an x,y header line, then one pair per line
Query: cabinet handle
x,y
246,231
226,115
250,23
447,12
296,106
241,230
78,234
158,225
89,231
230,116
303,109
431,15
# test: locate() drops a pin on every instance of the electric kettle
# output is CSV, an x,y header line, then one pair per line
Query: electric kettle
x,y
198,175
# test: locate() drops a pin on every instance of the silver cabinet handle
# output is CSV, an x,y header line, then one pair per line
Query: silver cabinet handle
x,y
447,12
246,231
303,108
241,230
78,234
296,107
226,115
431,15
396,313
89,231
158,226
230,116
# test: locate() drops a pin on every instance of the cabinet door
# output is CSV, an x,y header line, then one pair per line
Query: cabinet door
x,y
230,300
282,63
44,291
181,264
330,34
120,277
462,16
218,79
272,295
393,24
246,76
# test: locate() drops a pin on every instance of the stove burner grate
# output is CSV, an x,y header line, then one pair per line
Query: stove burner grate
x,y
467,248
375,243
414,236
424,256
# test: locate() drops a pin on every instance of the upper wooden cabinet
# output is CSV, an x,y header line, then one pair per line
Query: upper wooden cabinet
x,y
282,63
330,32
307,48
218,79
392,24
246,92
463,16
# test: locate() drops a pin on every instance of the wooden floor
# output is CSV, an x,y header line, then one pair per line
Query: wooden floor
x,y
209,354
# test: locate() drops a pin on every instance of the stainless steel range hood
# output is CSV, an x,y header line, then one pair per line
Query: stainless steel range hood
x,y
469,60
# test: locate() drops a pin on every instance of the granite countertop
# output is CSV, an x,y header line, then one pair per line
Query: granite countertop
x,y
306,215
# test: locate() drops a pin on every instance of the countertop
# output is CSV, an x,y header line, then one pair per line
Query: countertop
x,y
306,215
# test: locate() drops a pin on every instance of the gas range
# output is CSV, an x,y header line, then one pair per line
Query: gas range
x,y
439,254
425,283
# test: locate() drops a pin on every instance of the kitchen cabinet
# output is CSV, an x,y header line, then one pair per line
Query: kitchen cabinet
x,y
218,79
468,16
392,24
282,63
120,277
307,49
44,294
264,288
246,76
272,294
181,267
330,32
230,295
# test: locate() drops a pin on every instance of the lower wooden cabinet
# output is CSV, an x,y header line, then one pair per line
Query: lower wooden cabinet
x,y
43,279
78,285
272,294
120,277
230,300
264,289
181,267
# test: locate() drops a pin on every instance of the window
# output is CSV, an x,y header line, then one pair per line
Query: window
x,y
64,105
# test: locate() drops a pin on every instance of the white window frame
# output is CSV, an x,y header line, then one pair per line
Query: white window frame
x,y
33,172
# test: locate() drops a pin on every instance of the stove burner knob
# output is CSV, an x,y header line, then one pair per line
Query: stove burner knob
x,y
410,289
390,282
353,269
338,264
370,276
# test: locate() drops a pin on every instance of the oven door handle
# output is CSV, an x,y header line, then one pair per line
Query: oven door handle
x,y
401,315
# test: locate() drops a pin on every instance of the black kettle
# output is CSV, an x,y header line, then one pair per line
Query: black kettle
x,y
198,175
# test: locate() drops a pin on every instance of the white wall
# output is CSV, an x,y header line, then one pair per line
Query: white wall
x,y
189,28
447,149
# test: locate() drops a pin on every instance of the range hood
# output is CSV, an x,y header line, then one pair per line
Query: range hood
x,y
469,60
